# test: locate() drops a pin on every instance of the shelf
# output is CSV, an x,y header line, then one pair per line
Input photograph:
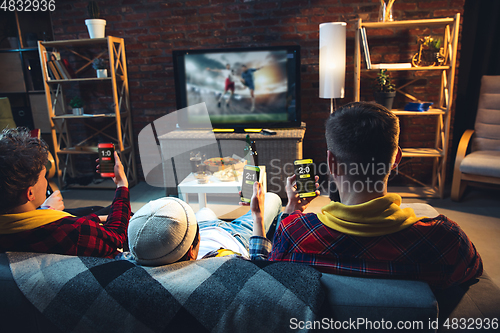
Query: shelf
x,y
82,80
72,116
409,23
80,42
422,68
449,28
118,130
19,50
430,112
422,152
78,150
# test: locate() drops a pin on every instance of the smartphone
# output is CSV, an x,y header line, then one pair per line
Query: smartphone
x,y
106,159
306,183
251,175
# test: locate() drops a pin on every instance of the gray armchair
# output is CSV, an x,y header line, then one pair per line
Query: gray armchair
x,y
478,154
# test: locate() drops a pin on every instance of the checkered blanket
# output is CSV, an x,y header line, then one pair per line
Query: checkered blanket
x,y
83,294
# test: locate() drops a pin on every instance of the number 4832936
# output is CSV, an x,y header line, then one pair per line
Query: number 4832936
x,y
28,5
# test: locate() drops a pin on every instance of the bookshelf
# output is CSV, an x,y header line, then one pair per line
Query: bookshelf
x,y
113,49
441,110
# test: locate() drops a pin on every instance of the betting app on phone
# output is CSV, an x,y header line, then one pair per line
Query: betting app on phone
x,y
306,185
251,175
106,159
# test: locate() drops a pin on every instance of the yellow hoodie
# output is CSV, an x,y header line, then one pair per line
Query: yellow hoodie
x,y
377,217
12,223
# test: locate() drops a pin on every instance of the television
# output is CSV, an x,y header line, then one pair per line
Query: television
x,y
242,88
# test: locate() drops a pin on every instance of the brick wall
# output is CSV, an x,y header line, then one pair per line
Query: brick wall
x,y
153,28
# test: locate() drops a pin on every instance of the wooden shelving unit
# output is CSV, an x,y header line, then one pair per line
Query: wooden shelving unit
x,y
114,49
441,110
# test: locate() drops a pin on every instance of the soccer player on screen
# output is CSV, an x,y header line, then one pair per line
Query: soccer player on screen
x,y
229,82
247,80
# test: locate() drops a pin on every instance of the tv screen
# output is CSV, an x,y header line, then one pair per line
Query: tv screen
x,y
256,87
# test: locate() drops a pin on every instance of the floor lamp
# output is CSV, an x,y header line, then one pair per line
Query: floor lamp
x,y
332,40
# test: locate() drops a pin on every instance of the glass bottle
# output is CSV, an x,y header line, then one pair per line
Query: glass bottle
x,y
250,152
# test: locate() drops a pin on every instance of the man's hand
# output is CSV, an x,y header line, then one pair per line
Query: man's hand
x,y
120,178
257,209
294,201
54,201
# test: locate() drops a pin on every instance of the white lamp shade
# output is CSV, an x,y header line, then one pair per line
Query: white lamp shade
x,y
332,37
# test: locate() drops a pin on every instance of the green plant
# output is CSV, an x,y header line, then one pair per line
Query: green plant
x,y
93,10
431,43
76,102
383,82
99,63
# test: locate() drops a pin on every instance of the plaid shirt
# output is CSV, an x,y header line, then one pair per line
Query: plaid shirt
x,y
434,250
81,236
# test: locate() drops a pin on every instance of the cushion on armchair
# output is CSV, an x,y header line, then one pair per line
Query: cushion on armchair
x,y
483,163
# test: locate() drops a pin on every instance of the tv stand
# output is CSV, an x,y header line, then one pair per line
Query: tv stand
x,y
277,152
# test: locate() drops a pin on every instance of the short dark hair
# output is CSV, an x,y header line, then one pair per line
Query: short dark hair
x,y
196,240
22,158
363,133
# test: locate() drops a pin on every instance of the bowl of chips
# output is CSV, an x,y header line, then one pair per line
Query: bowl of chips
x,y
202,176
215,164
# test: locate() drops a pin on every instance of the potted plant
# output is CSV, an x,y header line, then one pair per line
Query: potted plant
x,y
431,48
95,25
385,90
99,65
77,104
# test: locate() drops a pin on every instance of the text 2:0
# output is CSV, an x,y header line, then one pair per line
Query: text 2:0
x,y
28,5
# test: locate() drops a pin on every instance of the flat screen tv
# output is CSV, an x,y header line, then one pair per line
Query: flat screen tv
x,y
257,87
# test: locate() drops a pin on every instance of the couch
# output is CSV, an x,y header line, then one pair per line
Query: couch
x,y
56,293
39,293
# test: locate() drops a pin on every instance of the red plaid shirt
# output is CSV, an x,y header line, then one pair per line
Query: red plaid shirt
x,y
434,250
82,236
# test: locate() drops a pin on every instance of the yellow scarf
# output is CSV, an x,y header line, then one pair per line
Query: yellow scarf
x,y
378,217
12,223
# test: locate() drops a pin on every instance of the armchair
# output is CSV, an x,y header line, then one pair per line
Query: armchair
x,y
478,154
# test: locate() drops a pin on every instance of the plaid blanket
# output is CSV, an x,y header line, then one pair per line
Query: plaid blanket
x,y
82,294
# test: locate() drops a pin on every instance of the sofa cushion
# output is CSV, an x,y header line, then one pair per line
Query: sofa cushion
x,y
483,163
85,294
377,300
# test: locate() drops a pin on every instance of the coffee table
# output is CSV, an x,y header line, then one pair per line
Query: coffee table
x,y
214,185
190,185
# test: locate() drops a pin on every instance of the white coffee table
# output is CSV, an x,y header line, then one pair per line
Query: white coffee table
x,y
214,185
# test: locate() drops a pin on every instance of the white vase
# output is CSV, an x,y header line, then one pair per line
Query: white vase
x,y
96,27
77,111
102,73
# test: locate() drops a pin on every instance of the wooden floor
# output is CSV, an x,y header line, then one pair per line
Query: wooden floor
x,y
478,213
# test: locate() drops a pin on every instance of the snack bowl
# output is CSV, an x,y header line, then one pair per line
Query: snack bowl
x,y
202,176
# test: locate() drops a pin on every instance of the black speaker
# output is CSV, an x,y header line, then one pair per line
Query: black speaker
x,y
22,116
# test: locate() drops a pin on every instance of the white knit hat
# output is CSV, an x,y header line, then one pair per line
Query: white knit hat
x,y
162,231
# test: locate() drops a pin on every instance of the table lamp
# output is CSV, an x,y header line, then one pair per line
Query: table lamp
x,y
332,54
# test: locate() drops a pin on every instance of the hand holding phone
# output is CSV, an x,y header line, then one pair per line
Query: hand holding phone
x,y
251,175
106,159
305,181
